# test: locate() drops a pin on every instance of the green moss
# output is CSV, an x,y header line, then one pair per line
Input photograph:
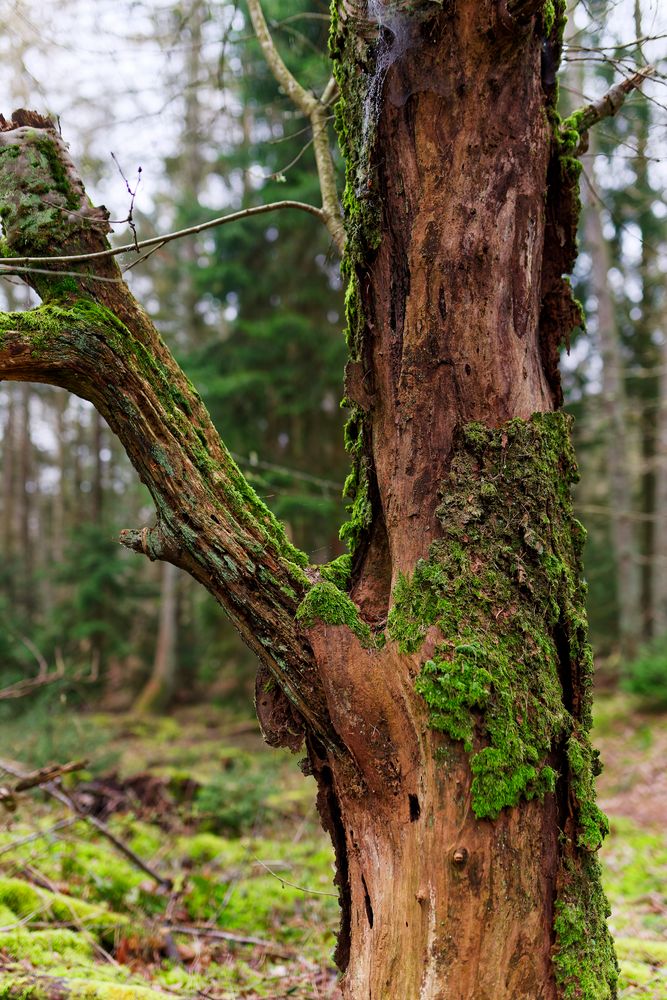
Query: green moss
x,y
326,603
26,901
353,65
584,957
548,17
21,985
356,489
500,584
36,196
47,949
50,158
584,765
338,571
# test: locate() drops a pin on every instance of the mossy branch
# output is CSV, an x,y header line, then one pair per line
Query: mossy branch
x,y
94,339
575,128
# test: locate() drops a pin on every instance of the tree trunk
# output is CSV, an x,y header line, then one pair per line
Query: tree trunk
x,y
9,482
159,688
441,675
660,555
616,446
465,859
24,462
647,355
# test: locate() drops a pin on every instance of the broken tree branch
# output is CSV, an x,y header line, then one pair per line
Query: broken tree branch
x,y
30,684
605,107
192,930
35,779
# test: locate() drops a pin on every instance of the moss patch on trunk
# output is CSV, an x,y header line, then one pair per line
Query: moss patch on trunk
x,y
511,676
502,587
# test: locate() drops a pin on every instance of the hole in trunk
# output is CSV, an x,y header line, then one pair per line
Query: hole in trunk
x,y
415,808
367,902
332,821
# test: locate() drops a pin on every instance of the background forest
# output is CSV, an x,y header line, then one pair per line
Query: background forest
x,y
174,118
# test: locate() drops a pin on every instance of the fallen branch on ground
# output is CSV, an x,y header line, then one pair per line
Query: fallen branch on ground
x,y
36,779
61,796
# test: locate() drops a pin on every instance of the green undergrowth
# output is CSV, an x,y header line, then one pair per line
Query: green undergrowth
x,y
101,905
99,929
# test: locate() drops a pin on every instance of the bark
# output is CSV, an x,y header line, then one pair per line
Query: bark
x,y
441,674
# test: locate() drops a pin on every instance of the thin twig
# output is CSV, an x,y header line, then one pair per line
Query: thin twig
x,y
213,932
245,213
292,885
38,835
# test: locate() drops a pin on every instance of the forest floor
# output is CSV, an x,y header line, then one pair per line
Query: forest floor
x,y
240,902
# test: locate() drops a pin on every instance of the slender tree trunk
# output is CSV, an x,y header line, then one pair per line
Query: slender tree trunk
x,y
660,557
159,688
9,480
26,485
97,471
648,357
616,421
60,497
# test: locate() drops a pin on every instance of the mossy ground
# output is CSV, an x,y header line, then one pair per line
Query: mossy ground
x,y
99,927
117,910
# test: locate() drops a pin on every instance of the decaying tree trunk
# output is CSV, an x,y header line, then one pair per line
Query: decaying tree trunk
x,y
439,674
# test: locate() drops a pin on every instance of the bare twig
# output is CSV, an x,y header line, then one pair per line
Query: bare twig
x,y
214,933
38,835
292,885
245,213
133,194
